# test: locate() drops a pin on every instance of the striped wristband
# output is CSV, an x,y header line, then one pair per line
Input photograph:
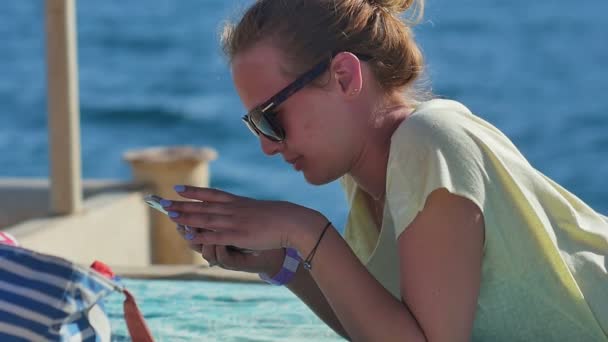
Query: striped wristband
x,y
288,270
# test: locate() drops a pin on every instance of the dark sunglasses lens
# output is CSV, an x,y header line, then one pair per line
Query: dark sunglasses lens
x,y
270,129
266,126
250,126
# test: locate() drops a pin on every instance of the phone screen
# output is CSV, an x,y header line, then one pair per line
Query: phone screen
x,y
154,202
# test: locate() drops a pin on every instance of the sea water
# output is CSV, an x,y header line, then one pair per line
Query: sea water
x,y
151,73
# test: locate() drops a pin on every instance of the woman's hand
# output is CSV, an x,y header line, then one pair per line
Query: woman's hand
x,y
228,219
268,262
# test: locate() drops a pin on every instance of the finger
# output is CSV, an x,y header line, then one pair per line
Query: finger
x,y
198,248
204,194
183,229
221,256
208,253
227,258
241,252
186,232
197,207
217,260
223,238
206,221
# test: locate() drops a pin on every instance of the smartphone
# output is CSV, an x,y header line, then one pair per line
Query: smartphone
x,y
154,202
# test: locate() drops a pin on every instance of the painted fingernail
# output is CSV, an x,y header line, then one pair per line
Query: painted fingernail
x,y
189,236
173,214
187,229
179,188
165,203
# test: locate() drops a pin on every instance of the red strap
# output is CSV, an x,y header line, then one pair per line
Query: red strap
x,y
135,320
8,239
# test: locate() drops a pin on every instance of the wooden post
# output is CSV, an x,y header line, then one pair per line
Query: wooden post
x,y
63,107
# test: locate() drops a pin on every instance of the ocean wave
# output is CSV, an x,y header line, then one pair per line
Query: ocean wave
x,y
150,115
154,110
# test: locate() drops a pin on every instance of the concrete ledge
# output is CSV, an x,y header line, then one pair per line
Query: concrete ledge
x,y
27,198
186,272
113,227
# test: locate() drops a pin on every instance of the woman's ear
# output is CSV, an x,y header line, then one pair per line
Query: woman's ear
x,y
346,68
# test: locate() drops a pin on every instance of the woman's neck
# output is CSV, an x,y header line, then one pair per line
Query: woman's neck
x,y
369,169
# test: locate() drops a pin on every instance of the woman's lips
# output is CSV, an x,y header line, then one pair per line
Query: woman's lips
x,y
296,162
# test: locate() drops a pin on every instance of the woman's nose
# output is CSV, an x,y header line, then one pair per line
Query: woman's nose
x,y
269,147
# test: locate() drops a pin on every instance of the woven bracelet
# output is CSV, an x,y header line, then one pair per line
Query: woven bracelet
x,y
287,271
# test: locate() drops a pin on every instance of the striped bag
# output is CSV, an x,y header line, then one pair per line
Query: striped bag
x,y
46,298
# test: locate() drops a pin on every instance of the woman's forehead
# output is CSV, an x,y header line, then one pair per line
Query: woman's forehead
x,y
257,75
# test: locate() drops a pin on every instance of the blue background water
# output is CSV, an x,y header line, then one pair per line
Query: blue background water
x,y
151,73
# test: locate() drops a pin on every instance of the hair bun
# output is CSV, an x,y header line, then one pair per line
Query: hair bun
x,y
392,6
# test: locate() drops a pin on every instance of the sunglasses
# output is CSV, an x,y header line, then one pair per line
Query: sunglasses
x,y
262,120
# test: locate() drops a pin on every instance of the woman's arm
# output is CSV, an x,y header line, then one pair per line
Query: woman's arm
x,y
440,257
304,286
440,261
441,253
367,311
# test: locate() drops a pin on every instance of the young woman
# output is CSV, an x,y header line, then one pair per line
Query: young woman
x,y
451,235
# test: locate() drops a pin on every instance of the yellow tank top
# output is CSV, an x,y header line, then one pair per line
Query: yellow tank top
x,y
544,266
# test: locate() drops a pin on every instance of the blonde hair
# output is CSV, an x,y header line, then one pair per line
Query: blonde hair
x,y
307,31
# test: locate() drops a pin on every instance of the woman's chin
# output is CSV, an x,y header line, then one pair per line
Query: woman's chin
x,y
317,179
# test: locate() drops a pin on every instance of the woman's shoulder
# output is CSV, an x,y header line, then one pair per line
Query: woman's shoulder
x,y
432,120
440,105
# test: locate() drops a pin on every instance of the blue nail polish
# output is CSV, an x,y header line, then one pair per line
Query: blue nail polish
x,y
165,203
179,188
189,236
173,214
